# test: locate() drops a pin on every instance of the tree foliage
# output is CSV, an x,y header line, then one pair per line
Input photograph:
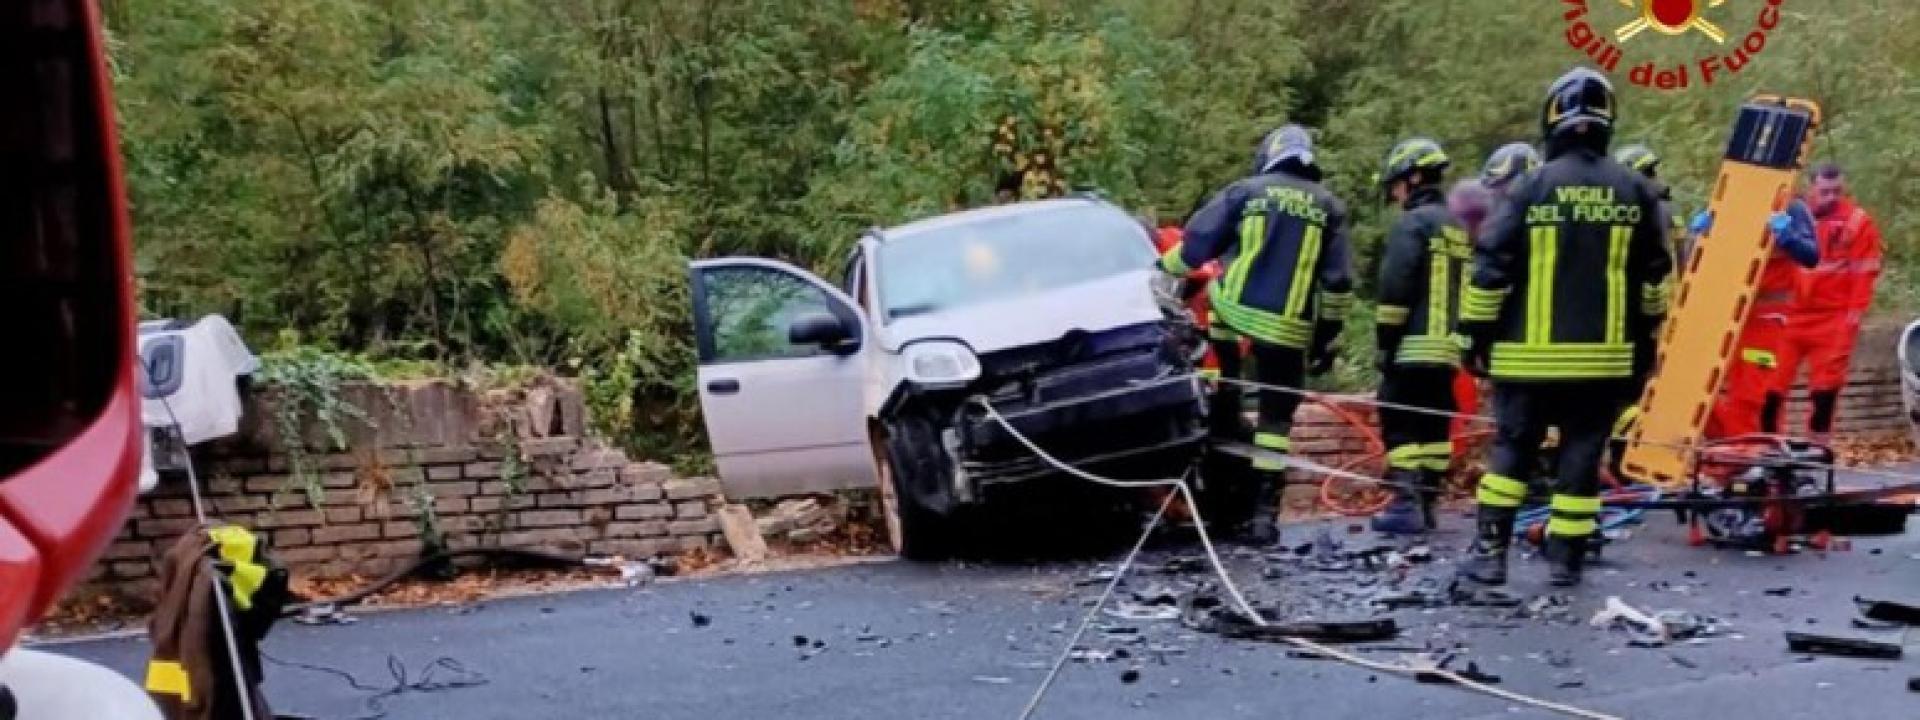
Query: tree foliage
x,y
522,181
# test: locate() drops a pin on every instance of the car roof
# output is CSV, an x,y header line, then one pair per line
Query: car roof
x,y
994,212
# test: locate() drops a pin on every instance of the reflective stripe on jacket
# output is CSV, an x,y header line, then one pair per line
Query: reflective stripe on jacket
x,y
1420,273
1571,276
1282,243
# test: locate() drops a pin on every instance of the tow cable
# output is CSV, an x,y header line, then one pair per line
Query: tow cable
x,y
1184,490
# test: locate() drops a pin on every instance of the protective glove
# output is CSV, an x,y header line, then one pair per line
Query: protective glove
x,y
1701,224
1793,234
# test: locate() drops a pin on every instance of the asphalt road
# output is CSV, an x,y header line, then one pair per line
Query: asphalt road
x,y
901,640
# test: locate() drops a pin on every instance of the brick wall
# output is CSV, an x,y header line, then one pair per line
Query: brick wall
x,y
452,445
429,445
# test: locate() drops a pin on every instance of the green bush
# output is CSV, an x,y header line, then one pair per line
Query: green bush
x,y
520,181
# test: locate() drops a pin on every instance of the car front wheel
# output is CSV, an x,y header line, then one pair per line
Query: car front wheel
x,y
910,457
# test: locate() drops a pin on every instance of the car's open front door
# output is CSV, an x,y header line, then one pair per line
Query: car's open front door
x,y
782,366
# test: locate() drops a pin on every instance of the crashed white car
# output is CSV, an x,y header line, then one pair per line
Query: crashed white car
x,y
1046,310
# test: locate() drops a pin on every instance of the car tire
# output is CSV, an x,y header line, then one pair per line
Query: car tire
x,y
910,456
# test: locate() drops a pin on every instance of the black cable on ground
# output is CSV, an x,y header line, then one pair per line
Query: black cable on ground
x,y
537,558
429,682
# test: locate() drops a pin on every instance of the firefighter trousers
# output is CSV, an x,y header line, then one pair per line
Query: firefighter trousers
x,y
1272,365
1585,413
1416,440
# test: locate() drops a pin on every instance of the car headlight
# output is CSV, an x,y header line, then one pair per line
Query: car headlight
x,y
940,364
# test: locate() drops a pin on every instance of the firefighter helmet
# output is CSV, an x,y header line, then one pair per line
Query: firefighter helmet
x,y
1641,158
1289,142
1582,97
1508,164
1414,155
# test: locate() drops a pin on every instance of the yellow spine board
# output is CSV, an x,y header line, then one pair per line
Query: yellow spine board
x,y
1718,281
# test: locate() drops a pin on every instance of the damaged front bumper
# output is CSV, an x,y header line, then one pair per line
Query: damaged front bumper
x,y
1151,417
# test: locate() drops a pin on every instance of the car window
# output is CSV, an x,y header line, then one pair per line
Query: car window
x,y
750,308
1005,257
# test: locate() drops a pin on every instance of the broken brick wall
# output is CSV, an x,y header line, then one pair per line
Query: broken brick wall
x,y
504,469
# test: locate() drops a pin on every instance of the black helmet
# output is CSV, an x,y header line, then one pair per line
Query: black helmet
x,y
1289,142
1508,163
1412,155
1639,157
1582,97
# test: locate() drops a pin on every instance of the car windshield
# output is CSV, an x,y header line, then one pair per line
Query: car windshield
x,y
1006,257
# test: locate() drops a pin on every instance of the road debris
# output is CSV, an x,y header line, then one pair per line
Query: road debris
x,y
1658,629
1621,615
1841,647
324,614
1130,676
1466,594
1888,611
1136,612
1549,606
699,619
1090,655
1230,624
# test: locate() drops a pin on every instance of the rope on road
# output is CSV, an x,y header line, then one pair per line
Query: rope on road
x,y
1233,591
1073,641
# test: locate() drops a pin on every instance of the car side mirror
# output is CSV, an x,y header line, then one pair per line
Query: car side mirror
x,y
823,329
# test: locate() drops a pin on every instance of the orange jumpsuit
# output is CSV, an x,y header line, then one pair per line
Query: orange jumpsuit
x,y
1743,393
1829,302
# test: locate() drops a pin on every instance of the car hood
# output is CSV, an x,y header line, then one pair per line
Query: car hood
x,y
1095,306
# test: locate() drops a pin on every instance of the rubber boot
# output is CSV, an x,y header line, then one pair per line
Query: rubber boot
x,y
1263,529
1566,555
1430,484
1770,413
1486,561
1407,514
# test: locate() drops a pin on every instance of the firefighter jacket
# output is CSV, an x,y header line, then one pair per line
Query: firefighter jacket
x,y
1282,243
1569,282
1849,263
1421,269
190,675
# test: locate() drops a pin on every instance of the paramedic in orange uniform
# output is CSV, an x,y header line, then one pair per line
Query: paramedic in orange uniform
x,y
1831,299
1743,393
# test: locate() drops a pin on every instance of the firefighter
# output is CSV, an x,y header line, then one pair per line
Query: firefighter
x,y
1507,164
1741,408
1646,162
1419,279
1831,300
1568,282
1286,286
